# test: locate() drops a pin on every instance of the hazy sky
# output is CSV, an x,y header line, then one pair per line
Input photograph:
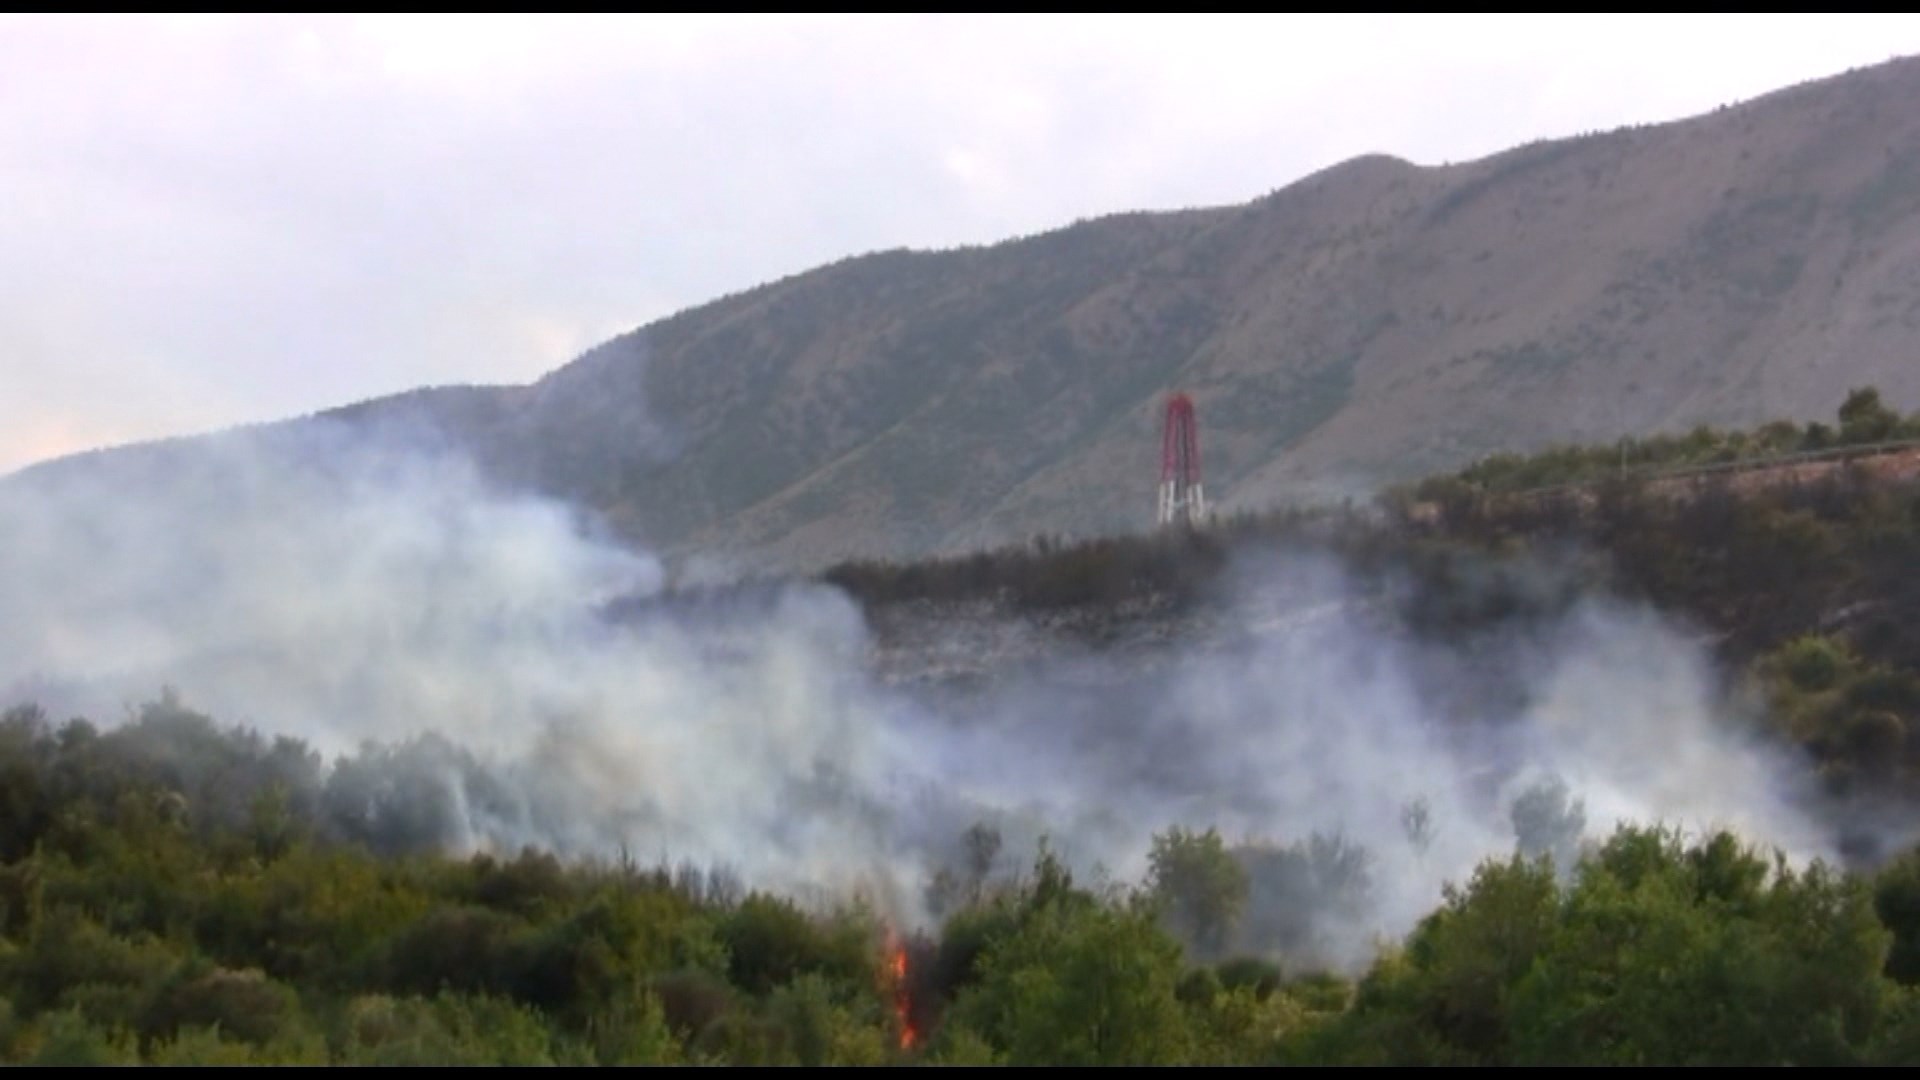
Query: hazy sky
x,y
211,221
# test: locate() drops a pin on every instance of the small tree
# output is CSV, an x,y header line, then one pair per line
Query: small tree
x,y
1080,985
1864,419
1200,888
1416,821
1548,820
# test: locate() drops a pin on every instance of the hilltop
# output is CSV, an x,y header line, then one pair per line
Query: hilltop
x,y
1368,324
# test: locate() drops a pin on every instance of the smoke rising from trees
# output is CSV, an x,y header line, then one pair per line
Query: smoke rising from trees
x,y
487,673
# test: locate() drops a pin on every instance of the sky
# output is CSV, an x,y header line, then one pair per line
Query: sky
x,y
213,221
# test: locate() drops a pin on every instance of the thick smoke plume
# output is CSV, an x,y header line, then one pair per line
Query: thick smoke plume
x,y
485,655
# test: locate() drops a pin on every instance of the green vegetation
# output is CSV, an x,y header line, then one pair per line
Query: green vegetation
x,y
1863,421
172,892
1658,952
139,925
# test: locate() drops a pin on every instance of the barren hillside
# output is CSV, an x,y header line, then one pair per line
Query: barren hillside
x,y
1373,322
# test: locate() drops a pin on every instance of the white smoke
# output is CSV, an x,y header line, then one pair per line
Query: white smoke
x,y
305,582
1311,714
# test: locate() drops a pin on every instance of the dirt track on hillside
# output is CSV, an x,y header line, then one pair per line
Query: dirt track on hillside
x,y
1891,466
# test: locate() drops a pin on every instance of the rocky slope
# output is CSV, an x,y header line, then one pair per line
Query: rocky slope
x,y
1373,322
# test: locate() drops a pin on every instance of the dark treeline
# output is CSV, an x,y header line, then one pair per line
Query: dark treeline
x,y
397,799
1863,421
1631,534
166,900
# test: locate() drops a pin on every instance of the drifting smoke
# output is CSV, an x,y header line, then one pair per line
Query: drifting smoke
x,y
1372,756
456,644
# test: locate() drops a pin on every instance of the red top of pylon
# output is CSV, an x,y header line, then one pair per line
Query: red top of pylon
x,y
1180,442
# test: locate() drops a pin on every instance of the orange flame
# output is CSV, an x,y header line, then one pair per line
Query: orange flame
x,y
902,996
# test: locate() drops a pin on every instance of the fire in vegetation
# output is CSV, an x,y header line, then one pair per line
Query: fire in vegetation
x,y
902,991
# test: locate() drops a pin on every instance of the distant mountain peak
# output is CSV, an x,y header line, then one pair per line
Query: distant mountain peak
x,y
1371,322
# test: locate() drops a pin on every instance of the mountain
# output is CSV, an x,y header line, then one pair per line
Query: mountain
x,y
1372,322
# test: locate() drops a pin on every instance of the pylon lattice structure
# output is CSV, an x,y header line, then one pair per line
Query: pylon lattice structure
x,y
1183,500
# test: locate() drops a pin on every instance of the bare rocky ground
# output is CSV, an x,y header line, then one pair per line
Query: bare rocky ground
x,y
966,644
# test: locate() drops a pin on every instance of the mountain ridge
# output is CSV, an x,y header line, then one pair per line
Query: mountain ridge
x,y
1368,323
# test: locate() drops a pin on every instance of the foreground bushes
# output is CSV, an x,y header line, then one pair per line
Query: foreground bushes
x,y
131,933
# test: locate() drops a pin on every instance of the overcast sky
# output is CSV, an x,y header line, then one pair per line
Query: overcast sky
x,y
212,221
